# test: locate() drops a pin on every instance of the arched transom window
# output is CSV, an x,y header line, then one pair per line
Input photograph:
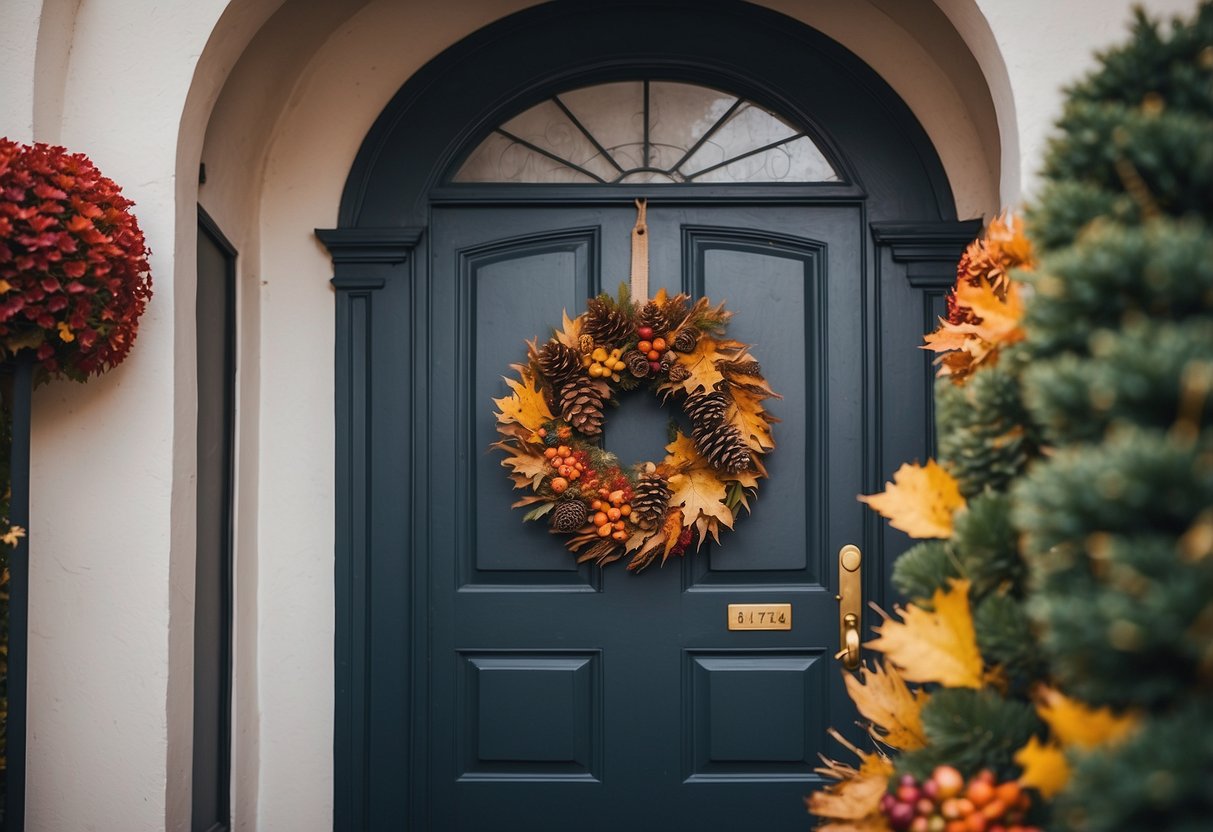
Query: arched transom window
x,y
646,132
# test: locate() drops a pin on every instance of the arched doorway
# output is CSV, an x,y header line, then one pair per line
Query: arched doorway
x,y
484,680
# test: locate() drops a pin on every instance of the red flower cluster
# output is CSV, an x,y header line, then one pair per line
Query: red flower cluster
x,y
74,276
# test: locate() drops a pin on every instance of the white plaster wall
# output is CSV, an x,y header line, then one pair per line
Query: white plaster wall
x,y
132,83
1028,50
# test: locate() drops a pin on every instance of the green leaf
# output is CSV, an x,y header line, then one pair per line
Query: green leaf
x,y
538,511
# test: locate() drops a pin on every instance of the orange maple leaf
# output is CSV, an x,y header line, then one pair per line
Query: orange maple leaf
x,y
882,695
920,501
939,645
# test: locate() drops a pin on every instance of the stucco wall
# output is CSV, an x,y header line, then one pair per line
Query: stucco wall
x,y
275,97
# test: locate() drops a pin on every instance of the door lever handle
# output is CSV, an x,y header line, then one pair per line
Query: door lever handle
x,y
850,604
850,638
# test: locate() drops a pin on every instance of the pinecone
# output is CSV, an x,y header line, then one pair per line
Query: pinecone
x,y
668,360
722,446
654,317
569,515
557,362
679,373
649,500
638,363
581,403
605,324
706,409
586,343
685,339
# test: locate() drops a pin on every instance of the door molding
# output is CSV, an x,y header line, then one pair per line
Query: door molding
x,y
381,272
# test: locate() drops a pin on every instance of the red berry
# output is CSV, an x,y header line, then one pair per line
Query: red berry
x,y
645,333
655,366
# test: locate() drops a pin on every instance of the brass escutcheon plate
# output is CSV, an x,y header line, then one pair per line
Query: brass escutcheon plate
x,y
760,616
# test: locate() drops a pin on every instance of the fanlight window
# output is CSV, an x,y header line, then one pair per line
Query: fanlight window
x,y
646,132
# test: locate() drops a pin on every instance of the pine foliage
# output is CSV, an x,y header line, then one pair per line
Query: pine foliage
x,y
1117,520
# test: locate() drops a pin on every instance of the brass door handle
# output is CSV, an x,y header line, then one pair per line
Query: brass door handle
x,y
850,639
850,604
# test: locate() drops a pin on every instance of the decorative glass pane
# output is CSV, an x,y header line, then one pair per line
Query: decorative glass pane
x,y
646,131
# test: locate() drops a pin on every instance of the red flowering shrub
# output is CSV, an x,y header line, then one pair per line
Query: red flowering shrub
x,y
74,277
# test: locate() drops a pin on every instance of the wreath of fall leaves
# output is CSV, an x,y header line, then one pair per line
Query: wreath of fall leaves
x,y
551,426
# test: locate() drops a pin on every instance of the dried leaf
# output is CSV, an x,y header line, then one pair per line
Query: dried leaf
x,y
882,696
526,406
569,333
701,364
935,646
671,529
682,454
853,803
745,412
1044,767
920,501
701,495
526,466
1000,316
1077,724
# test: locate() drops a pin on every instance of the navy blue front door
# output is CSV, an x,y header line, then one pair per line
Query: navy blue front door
x,y
564,697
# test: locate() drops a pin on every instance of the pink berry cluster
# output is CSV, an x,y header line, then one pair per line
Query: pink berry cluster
x,y
946,803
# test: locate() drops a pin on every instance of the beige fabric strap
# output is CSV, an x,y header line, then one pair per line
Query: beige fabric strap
x,y
640,254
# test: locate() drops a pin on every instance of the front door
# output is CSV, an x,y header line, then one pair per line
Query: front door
x,y
564,697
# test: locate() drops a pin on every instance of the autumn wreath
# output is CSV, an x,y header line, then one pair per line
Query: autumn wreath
x,y
552,427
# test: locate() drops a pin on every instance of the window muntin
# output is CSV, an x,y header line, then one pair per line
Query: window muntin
x,y
646,132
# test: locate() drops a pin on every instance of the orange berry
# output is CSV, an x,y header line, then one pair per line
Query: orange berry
x,y
966,806
559,484
542,431
980,792
619,525
956,826
620,536
659,344
604,531
549,452
653,355
563,450
1008,793
616,497
600,518
625,510
994,810
975,823
644,346
575,474
596,504
614,513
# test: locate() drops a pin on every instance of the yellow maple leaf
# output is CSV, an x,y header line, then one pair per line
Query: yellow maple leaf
x,y
920,500
526,406
700,494
934,646
1045,767
745,412
853,803
881,695
1077,724
682,453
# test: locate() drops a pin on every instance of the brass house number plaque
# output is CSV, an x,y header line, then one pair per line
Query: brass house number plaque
x,y
760,616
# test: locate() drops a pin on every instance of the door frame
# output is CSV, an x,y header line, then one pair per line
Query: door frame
x,y
380,257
